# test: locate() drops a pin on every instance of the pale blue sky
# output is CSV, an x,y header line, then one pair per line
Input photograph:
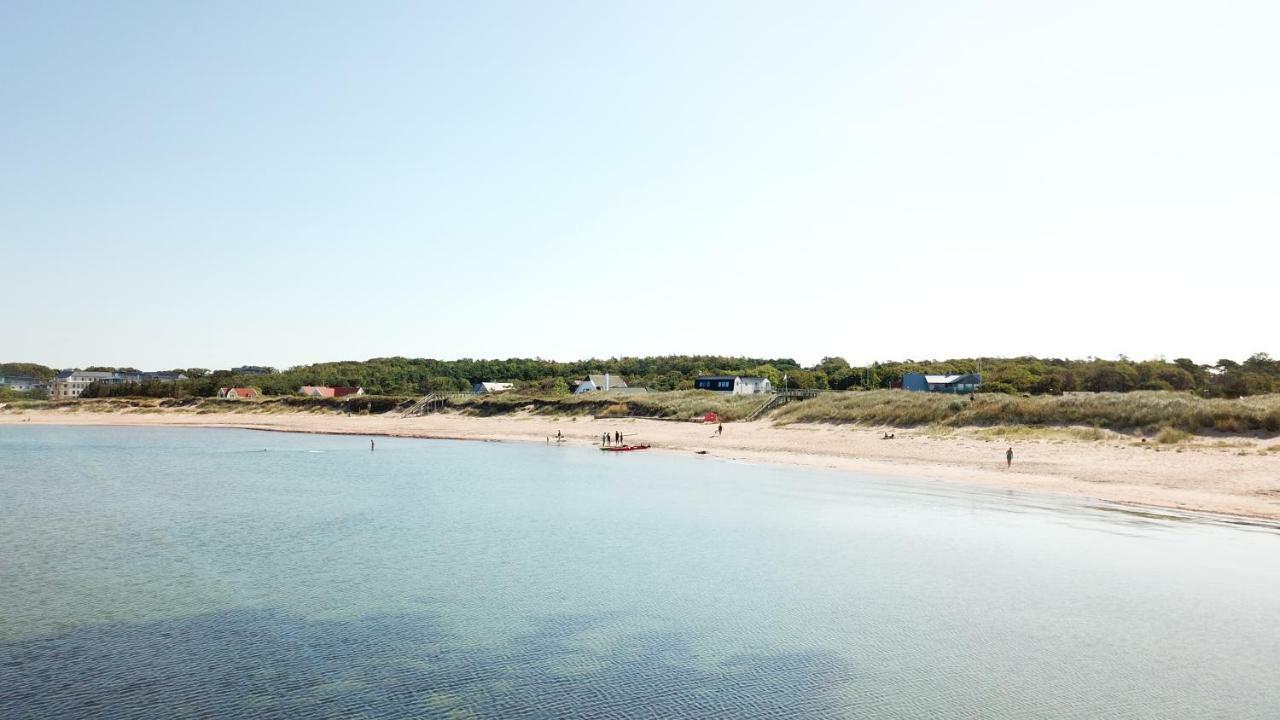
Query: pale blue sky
x,y
214,184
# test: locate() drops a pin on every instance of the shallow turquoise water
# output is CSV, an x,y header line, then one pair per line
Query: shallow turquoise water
x,y
224,573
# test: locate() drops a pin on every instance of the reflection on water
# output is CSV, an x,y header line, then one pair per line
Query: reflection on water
x,y
187,573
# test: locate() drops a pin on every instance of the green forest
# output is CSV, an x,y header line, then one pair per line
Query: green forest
x,y
1256,375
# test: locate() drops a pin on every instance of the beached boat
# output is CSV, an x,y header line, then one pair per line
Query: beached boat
x,y
624,448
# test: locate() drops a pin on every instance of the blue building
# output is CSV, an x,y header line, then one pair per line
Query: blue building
x,y
920,382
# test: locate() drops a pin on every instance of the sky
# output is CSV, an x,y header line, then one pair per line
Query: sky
x,y
218,184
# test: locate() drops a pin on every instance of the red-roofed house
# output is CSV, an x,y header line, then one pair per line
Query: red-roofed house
x,y
237,393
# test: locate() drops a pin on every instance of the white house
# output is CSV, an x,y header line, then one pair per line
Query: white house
x,y
70,383
599,383
734,384
482,388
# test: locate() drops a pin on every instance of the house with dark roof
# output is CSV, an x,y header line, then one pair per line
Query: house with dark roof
x,y
734,384
921,382
69,384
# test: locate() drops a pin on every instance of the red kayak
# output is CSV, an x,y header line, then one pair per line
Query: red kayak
x,y
624,448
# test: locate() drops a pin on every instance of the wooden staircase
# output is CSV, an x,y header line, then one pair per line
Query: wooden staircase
x,y
779,399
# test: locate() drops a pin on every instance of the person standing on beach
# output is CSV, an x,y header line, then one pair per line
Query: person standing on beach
x,y
720,429
1008,457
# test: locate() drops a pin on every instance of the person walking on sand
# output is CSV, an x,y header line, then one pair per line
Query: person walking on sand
x,y
720,429
370,444
1008,457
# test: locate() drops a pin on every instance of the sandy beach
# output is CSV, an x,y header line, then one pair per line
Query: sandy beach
x,y
1231,476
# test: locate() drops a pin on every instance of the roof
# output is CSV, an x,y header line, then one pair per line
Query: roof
x,y
238,391
615,381
491,386
747,378
320,390
951,379
87,374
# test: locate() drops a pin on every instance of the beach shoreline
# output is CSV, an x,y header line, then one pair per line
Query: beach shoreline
x,y
1240,478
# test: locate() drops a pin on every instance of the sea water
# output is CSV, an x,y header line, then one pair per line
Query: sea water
x,y
153,572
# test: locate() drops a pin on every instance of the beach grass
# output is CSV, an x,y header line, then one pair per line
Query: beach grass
x,y
674,405
1148,412
1165,416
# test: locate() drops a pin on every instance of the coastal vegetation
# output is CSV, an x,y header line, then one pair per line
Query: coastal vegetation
x,y
1258,374
1122,395
1140,410
1167,416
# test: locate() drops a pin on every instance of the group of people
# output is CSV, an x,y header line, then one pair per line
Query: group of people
x,y
614,439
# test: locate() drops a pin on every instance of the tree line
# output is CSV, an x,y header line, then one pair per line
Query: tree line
x,y
1258,374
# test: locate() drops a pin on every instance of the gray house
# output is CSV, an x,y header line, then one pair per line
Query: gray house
x,y
599,383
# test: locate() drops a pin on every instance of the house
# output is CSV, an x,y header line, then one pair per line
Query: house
x,y
68,384
599,383
234,393
482,388
21,383
324,391
921,382
733,384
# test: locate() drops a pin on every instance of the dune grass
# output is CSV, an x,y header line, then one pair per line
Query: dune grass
x,y
1085,417
1144,411
1041,432
675,405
